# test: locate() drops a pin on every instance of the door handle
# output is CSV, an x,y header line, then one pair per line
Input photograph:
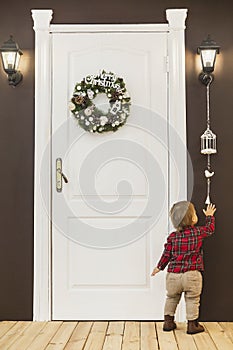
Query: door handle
x,y
60,175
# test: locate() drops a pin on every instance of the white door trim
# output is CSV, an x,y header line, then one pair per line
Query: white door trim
x,y
176,114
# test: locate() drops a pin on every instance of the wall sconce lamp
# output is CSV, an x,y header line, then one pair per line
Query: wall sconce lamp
x,y
11,54
208,51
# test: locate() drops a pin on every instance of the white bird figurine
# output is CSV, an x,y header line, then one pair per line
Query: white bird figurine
x,y
209,174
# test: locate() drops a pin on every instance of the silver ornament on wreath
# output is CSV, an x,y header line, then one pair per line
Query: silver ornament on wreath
x,y
89,116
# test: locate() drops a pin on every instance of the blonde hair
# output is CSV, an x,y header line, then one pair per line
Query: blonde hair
x,y
181,214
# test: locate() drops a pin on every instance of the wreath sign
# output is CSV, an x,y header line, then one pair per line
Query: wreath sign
x,y
90,117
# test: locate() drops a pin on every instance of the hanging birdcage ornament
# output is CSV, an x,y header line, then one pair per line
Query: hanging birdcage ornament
x,y
208,142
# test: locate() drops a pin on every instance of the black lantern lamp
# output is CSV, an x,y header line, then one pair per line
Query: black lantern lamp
x,y
11,54
208,51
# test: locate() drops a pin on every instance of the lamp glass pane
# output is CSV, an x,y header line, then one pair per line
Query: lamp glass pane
x,y
9,59
17,60
208,57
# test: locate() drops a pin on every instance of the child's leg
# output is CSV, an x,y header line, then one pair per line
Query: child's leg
x,y
174,291
192,281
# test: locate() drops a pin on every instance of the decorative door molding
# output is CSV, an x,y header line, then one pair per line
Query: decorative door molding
x,y
176,116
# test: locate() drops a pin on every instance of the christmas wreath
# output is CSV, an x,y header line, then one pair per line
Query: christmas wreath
x,y
89,116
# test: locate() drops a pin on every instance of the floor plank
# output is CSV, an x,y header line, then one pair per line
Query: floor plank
x,y
131,339
204,341
13,334
114,336
25,339
45,335
228,328
112,342
5,326
60,339
96,337
148,336
219,336
185,341
79,336
116,327
167,340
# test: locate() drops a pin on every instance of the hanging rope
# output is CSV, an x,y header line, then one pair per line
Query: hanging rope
x,y
208,201
208,101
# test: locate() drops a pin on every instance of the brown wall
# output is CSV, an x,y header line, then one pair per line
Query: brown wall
x,y
17,142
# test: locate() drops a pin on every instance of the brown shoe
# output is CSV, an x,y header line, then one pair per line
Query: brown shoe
x,y
169,323
194,327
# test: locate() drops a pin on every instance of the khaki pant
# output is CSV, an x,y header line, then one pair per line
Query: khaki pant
x,y
189,283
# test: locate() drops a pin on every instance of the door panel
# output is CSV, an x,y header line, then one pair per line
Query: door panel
x,y
103,242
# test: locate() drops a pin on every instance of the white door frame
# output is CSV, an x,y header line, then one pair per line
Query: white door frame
x,y
176,116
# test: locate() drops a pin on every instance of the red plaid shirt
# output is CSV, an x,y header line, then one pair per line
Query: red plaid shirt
x,y
183,250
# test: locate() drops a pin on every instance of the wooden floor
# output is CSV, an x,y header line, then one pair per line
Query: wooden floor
x,y
128,335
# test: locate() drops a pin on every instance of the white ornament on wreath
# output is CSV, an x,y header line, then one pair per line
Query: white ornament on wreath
x,y
88,115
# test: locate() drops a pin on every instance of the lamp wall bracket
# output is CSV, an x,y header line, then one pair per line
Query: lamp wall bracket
x,y
15,78
205,78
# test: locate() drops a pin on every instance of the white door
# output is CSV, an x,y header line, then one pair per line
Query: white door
x,y
110,220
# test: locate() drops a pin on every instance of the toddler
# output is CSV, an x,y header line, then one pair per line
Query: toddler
x,y
184,256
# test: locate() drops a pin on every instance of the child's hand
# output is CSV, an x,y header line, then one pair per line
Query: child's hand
x,y
210,210
156,270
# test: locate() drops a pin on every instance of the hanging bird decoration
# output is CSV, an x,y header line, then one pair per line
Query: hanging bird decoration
x,y
208,143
